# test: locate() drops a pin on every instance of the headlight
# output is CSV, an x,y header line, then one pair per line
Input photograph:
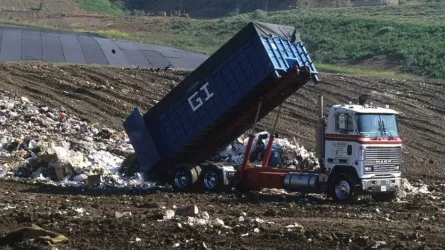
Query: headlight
x,y
396,168
368,169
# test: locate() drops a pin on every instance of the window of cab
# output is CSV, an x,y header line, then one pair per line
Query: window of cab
x,y
344,123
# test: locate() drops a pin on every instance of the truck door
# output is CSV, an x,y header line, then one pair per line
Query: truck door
x,y
342,152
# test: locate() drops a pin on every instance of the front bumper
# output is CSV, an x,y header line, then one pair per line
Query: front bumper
x,y
381,185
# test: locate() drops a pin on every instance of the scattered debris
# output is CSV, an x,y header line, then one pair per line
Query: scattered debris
x,y
196,221
8,207
378,244
188,211
218,222
408,189
24,99
3,171
120,215
94,180
34,233
258,220
80,210
205,215
169,214
273,191
295,225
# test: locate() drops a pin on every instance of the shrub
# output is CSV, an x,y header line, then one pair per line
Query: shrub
x,y
259,14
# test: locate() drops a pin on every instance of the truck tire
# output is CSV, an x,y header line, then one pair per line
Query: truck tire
x,y
384,197
342,188
212,179
184,178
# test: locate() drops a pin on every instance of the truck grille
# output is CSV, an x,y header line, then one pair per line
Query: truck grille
x,y
383,159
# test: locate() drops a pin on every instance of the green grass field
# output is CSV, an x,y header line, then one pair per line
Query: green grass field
x,y
101,6
412,36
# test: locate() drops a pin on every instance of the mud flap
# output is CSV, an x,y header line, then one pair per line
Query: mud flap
x,y
142,141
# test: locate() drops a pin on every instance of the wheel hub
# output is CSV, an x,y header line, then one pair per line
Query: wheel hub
x,y
181,179
210,180
342,190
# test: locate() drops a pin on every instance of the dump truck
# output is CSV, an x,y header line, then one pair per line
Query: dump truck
x,y
248,77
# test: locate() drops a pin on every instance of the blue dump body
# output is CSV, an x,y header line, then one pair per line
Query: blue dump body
x,y
212,106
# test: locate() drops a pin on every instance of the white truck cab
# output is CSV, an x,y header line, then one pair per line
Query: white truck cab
x,y
363,141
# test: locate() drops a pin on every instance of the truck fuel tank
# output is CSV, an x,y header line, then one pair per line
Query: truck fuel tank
x,y
302,182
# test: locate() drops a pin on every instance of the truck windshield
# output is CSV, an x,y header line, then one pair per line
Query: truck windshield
x,y
377,125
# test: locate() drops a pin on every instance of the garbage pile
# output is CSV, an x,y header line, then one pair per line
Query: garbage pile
x,y
49,144
46,144
284,154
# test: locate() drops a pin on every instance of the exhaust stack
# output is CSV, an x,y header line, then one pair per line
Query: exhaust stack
x,y
319,139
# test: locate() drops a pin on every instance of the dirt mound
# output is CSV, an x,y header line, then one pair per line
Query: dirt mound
x,y
384,63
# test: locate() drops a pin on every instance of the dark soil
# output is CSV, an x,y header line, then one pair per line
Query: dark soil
x,y
106,95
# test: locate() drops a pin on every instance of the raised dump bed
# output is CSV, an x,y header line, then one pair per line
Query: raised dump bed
x,y
218,101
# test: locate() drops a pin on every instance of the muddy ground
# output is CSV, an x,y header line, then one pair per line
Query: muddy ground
x,y
88,219
106,95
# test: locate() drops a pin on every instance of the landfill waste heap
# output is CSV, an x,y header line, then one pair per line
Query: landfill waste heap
x,y
45,144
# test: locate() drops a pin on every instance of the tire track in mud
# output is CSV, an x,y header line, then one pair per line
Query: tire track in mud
x,y
94,103
88,100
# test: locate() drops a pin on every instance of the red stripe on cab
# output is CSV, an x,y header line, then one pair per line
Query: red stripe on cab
x,y
363,140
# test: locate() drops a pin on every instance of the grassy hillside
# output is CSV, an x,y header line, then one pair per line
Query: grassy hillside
x,y
408,36
212,8
100,6
60,6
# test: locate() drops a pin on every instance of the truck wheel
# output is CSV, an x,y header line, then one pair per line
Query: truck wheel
x,y
185,177
212,180
386,196
342,188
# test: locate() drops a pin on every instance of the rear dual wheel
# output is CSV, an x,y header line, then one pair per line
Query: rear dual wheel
x,y
212,179
184,178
